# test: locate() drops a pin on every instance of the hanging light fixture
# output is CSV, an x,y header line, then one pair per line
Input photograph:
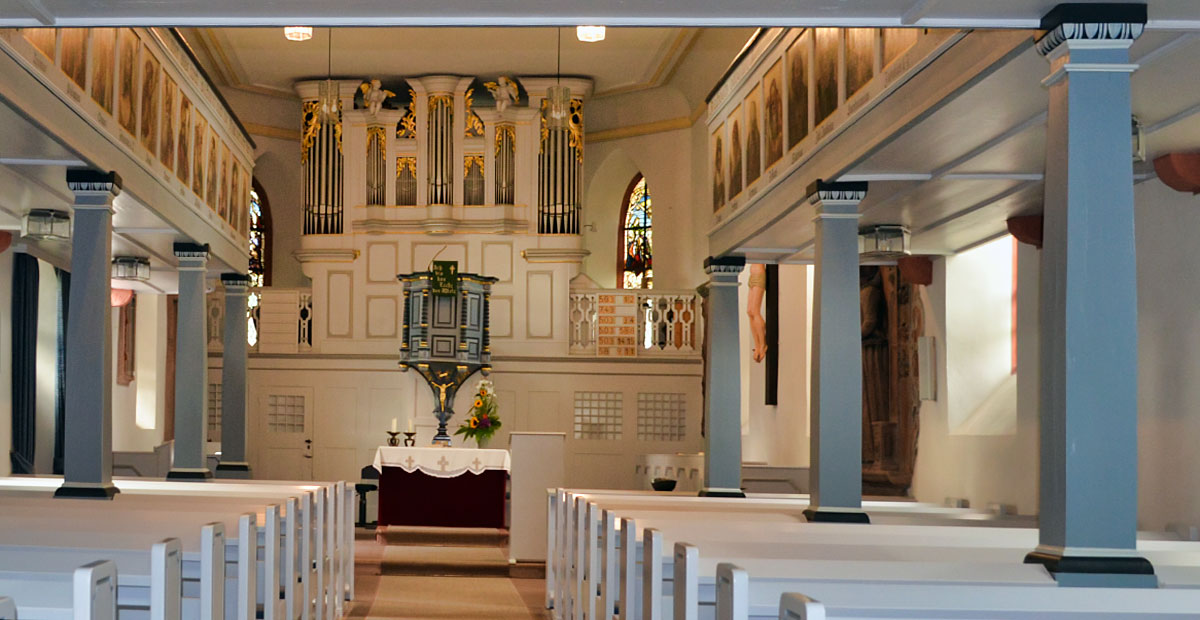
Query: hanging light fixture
x,y
136,268
559,96
297,33
327,91
589,34
46,224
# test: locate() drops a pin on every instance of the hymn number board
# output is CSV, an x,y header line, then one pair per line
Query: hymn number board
x,y
616,320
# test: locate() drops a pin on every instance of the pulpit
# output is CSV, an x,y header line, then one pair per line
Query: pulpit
x,y
445,334
442,487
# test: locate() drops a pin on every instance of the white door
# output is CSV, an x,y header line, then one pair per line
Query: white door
x,y
287,432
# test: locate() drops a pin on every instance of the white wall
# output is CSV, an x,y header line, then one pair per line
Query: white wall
x,y
277,168
997,467
778,435
6,273
1168,356
664,160
981,387
47,368
351,403
138,408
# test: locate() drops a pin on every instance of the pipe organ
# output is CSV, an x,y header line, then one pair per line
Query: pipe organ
x,y
443,141
321,160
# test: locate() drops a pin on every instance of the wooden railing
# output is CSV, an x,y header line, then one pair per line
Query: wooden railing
x,y
635,323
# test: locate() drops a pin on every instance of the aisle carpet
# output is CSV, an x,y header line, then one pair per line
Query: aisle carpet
x,y
440,574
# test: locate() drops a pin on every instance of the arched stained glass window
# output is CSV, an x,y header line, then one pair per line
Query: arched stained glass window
x,y
260,258
636,264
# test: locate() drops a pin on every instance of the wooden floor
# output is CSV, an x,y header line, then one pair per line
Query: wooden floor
x,y
427,574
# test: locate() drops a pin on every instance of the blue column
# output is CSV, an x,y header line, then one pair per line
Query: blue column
x,y
87,436
835,412
723,381
1088,514
233,379
191,366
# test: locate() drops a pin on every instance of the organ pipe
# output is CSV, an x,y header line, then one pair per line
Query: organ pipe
x,y
321,157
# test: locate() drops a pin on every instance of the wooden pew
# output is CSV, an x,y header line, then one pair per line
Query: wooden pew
x,y
696,596
145,580
567,556
288,549
84,593
206,551
858,602
597,532
847,542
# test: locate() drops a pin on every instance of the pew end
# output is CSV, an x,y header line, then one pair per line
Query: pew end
x,y
166,586
686,583
800,607
95,591
733,592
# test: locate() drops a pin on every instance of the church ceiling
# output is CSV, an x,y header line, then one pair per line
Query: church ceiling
x,y
628,59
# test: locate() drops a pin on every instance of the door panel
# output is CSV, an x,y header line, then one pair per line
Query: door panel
x,y
287,431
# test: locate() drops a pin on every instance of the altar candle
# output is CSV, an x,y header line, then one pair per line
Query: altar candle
x,y
393,425
410,425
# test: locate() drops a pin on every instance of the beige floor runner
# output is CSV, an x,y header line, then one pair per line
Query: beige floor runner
x,y
447,598
432,560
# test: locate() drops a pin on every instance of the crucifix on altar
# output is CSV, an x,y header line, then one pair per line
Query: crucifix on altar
x,y
445,335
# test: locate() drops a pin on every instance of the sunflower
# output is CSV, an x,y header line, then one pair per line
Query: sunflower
x,y
474,422
478,403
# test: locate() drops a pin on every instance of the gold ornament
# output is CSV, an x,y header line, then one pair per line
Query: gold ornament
x,y
310,124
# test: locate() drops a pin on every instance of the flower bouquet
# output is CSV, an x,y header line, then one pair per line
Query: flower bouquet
x,y
482,420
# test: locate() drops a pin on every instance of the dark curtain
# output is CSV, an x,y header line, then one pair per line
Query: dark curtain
x,y
60,381
24,362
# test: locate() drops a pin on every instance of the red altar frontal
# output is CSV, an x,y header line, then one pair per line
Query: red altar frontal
x,y
442,487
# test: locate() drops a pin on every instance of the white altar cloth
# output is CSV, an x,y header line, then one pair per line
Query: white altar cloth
x,y
441,462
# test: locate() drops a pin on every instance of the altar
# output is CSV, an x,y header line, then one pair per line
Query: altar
x,y
446,487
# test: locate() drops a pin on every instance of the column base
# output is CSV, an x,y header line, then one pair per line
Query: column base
x,y
239,471
719,492
85,490
834,515
190,474
1081,571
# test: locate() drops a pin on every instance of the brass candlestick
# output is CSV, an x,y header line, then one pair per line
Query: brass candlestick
x,y
393,438
410,439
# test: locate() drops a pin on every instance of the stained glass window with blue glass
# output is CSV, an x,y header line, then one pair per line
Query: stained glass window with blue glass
x,y
637,239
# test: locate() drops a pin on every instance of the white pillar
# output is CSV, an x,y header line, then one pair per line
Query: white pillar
x,y
191,366
835,464
87,454
233,379
1088,512
722,385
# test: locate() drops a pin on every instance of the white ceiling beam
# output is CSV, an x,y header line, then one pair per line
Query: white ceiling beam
x,y
1004,136
27,161
1184,114
39,11
1165,49
983,204
984,241
919,9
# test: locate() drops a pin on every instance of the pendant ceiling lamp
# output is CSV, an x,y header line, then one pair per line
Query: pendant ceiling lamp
x,y
297,33
589,34
327,92
559,96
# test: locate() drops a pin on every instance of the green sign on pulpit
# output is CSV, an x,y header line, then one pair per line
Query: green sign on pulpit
x,y
444,278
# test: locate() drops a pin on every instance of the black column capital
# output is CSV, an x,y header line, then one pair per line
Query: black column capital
x,y
191,250
837,190
1104,21
724,264
88,180
235,279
